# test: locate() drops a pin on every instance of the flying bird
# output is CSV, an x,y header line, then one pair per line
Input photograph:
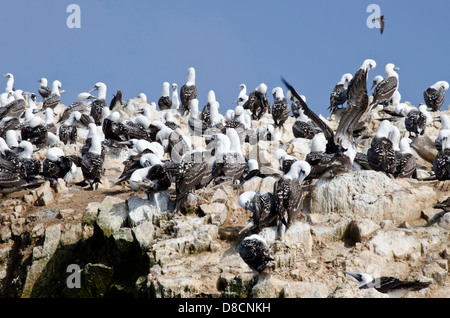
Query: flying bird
x,y
380,20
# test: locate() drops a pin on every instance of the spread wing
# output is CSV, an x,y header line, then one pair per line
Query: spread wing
x,y
357,104
327,131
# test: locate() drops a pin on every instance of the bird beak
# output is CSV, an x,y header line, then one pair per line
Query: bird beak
x,y
91,96
397,68
354,275
92,90
301,177
373,85
62,91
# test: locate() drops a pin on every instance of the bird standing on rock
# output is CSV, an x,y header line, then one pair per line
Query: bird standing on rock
x,y
255,252
392,286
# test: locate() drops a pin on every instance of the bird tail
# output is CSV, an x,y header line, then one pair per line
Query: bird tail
x,y
418,285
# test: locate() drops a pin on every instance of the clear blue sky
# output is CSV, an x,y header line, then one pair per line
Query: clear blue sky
x,y
137,45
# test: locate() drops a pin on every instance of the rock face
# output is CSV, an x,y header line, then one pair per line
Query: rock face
x,y
366,194
118,243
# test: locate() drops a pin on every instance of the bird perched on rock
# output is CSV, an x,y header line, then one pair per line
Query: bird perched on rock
x,y
154,178
339,94
9,83
165,101
381,153
342,142
206,112
416,120
295,105
257,102
434,95
44,90
392,286
288,193
31,166
243,97
406,166
385,89
194,172
443,132
57,165
376,80
304,127
35,132
15,108
255,252
441,164
284,159
80,105
262,205
98,103
175,99
68,132
188,91
116,102
280,108
49,122
54,98
92,163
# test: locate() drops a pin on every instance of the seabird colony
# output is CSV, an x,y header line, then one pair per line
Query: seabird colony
x,y
176,148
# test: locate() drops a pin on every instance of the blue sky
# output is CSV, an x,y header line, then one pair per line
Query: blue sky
x,y
137,45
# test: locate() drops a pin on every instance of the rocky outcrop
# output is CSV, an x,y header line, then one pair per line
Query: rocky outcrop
x,y
115,242
367,194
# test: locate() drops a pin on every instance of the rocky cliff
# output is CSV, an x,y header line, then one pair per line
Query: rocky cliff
x,y
65,241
